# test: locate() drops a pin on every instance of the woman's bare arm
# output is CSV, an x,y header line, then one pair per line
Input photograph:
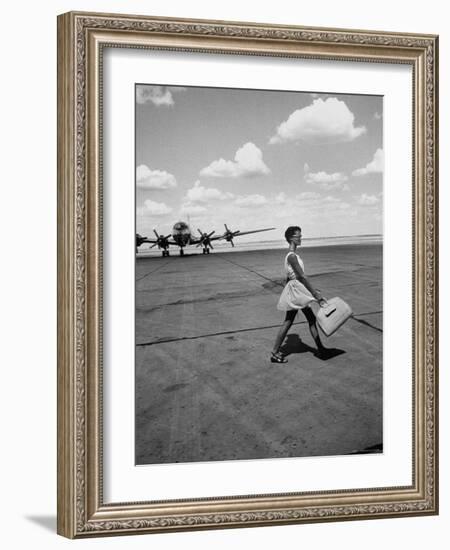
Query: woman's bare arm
x,y
294,263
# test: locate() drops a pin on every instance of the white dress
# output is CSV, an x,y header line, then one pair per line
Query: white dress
x,y
295,295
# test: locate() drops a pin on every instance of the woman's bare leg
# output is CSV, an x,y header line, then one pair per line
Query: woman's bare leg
x,y
284,329
311,318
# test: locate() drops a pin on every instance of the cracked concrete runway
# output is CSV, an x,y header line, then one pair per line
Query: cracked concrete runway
x,y
205,388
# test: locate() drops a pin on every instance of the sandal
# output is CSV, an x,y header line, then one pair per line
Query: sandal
x,y
277,358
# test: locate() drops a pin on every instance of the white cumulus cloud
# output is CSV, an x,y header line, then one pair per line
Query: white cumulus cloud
x,y
368,200
326,181
251,200
281,198
154,179
189,209
308,196
157,95
374,166
152,208
248,161
200,194
322,121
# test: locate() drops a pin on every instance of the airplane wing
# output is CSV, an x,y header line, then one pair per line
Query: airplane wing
x,y
215,238
154,241
227,235
239,233
197,241
193,240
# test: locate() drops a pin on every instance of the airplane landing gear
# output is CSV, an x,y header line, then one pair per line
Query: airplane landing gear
x,y
181,252
165,253
205,250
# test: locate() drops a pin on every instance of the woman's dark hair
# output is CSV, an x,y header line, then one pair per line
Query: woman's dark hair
x,y
289,233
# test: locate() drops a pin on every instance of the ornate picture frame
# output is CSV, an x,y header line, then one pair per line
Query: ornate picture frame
x,y
82,510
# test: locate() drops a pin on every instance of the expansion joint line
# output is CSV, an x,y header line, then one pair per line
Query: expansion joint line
x,y
238,331
367,324
253,271
153,271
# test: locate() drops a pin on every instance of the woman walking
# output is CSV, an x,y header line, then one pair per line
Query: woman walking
x,y
297,294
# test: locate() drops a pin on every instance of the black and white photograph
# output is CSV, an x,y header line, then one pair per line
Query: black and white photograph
x,y
259,274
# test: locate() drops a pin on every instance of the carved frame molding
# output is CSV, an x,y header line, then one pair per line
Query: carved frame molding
x,y
81,37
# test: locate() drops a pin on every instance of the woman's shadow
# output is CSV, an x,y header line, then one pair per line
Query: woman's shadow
x,y
294,344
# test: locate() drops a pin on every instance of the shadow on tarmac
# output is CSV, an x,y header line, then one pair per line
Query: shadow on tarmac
x,y
294,344
373,449
328,353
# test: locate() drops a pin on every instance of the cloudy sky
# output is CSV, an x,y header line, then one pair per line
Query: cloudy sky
x,y
254,159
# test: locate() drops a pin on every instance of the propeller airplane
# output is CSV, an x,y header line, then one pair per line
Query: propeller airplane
x,y
182,237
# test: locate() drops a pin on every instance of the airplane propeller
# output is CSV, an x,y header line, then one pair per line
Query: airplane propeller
x,y
161,241
205,239
140,239
229,235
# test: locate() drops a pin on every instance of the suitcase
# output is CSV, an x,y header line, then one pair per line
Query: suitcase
x,y
333,315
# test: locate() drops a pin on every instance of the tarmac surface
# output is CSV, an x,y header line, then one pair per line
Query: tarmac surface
x,y
205,387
